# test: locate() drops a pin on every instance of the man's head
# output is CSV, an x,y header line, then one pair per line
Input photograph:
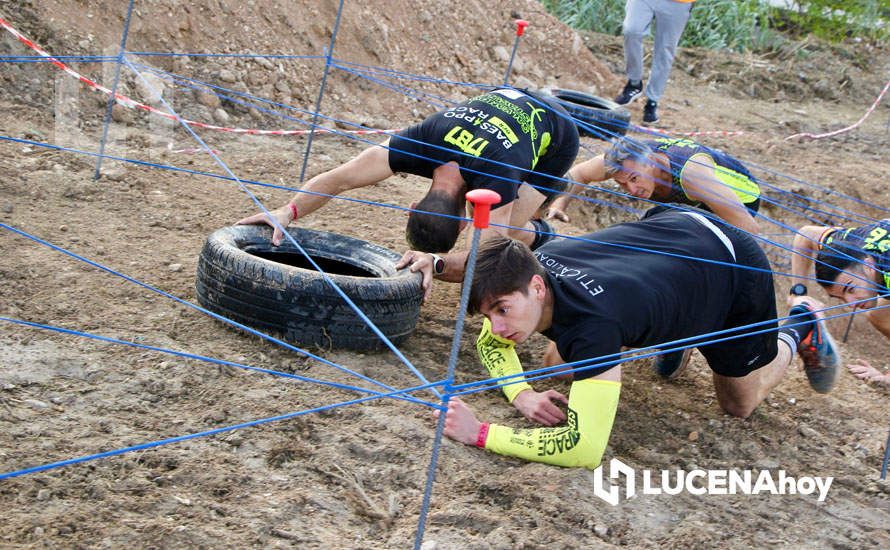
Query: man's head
x,y
630,163
510,288
438,231
847,273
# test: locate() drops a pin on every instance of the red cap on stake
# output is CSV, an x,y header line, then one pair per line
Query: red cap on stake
x,y
482,200
521,24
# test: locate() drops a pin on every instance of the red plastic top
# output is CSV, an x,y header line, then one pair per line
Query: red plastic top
x,y
521,24
482,200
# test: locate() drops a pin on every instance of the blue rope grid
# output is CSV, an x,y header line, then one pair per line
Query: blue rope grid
x,y
805,207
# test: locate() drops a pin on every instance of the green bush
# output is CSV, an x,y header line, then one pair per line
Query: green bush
x,y
743,24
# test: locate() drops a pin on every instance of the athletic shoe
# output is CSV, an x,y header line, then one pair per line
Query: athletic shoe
x,y
820,355
545,233
650,112
629,93
670,365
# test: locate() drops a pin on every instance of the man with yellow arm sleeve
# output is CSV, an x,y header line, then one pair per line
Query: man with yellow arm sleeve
x,y
636,284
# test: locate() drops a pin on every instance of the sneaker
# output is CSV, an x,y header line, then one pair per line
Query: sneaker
x,y
629,93
650,112
544,233
820,355
670,365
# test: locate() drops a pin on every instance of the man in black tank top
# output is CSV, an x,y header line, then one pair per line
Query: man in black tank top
x,y
517,143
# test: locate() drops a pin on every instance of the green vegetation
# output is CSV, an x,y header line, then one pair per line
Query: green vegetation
x,y
744,24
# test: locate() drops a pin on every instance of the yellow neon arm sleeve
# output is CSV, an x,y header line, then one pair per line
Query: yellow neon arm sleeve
x,y
499,357
591,412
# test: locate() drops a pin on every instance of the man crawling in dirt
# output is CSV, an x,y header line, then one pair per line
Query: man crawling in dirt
x,y
516,143
672,275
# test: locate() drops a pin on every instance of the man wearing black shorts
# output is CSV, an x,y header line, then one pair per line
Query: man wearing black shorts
x,y
672,275
516,143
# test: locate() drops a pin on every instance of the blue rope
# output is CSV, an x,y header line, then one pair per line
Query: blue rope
x,y
42,59
324,79
396,207
370,324
232,55
208,359
659,349
193,306
215,431
112,97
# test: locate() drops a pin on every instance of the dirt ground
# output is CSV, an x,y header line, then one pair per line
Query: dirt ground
x,y
353,477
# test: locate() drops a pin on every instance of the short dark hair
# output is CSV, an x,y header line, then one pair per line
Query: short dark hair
x,y
503,266
830,263
437,231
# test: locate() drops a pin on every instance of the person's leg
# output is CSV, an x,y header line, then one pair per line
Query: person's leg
x,y
740,396
525,205
670,20
637,17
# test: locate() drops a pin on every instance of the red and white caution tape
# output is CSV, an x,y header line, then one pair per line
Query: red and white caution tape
x,y
130,103
848,128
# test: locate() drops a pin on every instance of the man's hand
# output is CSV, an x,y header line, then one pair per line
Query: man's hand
x,y
815,304
460,422
539,406
864,371
419,261
282,215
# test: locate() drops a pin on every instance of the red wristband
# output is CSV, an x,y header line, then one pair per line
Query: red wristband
x,y
293,210
483,435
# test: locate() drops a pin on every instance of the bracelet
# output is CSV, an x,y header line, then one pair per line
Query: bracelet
x,y
483,435
293,210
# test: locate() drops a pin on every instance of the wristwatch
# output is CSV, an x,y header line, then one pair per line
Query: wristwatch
x,y
438,264
799,290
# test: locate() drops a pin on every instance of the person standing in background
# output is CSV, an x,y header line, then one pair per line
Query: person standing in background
x,y
670,19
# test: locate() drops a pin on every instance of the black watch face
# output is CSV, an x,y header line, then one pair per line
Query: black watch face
x,y
799,290
439,266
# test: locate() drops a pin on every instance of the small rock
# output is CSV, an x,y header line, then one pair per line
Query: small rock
x,y
601,530
43,494
175,268
36,404
121,114
792,401
429,545
150,87
63,228
7,208
227,76
39,531
26,149
766,464
806,431
207,99
221,116
693,436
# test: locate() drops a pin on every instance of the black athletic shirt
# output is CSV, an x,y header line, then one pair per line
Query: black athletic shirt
x,y
606,297
521,130
873,239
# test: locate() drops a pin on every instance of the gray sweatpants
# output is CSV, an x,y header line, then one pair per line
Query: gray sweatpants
x,y
670,20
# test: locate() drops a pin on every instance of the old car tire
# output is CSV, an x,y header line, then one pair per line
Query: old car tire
x,y
607,119
274,289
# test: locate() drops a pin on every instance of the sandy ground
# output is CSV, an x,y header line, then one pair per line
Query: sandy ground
x,y
352,477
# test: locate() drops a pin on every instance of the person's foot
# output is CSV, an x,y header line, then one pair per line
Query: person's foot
x,y
819,353
650,112
630,92
670,365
